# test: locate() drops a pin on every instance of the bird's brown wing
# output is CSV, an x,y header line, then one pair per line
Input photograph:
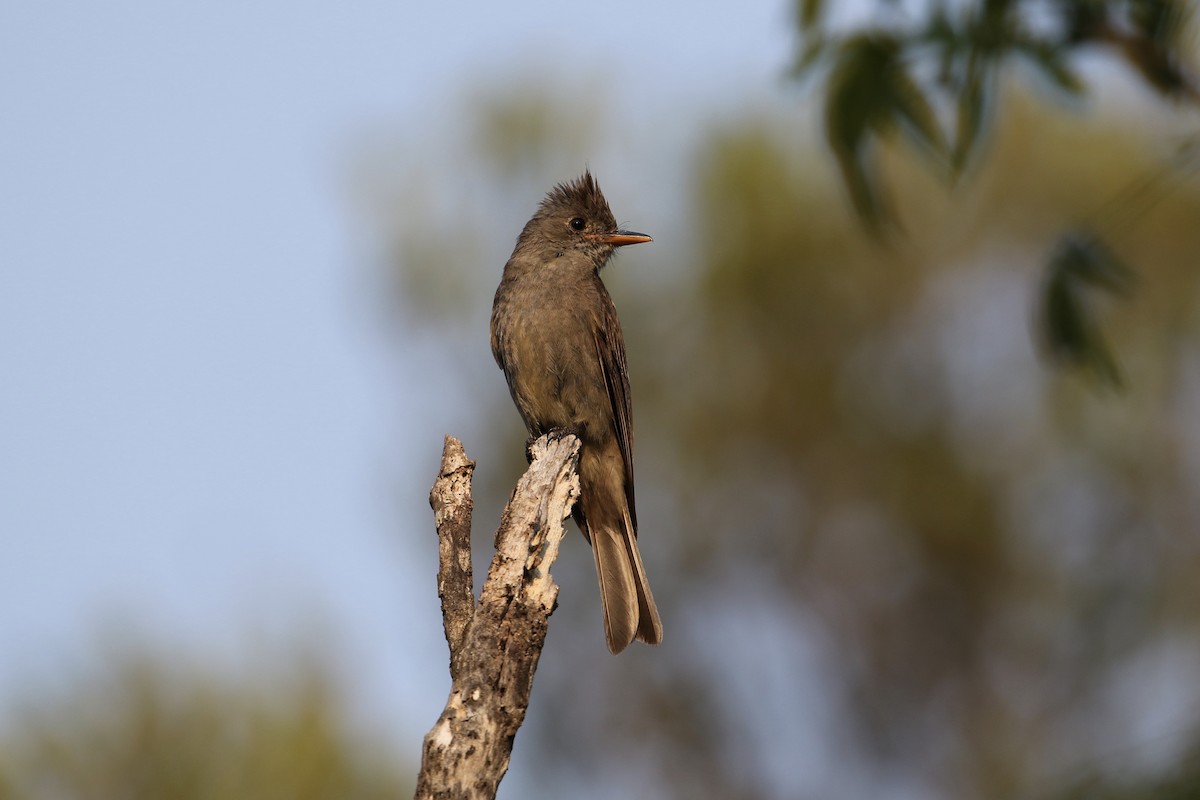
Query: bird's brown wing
x,y
497,329
610,350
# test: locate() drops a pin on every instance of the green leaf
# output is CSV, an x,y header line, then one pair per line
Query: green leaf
x,y
947,42
1081,264
868,95
858,107
915,109
990,32
974,106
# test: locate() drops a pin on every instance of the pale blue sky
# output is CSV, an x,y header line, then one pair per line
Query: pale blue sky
x,y
200,423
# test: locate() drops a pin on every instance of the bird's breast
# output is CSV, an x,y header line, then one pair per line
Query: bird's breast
x,y
545,340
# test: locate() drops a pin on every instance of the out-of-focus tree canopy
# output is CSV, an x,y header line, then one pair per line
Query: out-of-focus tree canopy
x,y
138,727
910,66
895,555
907,60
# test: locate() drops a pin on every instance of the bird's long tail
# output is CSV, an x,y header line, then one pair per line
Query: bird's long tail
x,y
629,610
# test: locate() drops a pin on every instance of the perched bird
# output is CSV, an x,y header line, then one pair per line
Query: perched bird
x,y
556,336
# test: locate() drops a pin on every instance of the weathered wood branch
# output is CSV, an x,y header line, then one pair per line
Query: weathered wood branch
x,y
452,506
494,644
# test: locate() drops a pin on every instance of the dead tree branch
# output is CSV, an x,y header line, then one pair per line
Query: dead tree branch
x,y
495,644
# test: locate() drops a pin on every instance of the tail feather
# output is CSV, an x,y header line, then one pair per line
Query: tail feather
x,y
605,517
649,625
618,593
629,609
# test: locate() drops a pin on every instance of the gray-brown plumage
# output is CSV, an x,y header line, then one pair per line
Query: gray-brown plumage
x,y
556,336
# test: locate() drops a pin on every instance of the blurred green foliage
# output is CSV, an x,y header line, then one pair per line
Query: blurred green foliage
x,y
149,727
869,389
896,70
872,85
893,554
1082,263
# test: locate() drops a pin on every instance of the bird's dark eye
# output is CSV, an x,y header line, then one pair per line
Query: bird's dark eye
x,y
578,224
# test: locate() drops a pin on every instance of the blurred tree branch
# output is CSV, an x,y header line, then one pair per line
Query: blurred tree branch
x,y
495,645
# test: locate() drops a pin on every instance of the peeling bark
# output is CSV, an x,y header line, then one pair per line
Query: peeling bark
x,y
495,643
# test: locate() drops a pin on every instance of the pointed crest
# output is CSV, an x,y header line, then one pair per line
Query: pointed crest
x,y
582,194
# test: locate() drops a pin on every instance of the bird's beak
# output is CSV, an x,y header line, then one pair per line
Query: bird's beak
x,y
620,238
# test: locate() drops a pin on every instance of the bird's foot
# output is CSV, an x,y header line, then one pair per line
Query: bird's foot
x,y
552,435
557,434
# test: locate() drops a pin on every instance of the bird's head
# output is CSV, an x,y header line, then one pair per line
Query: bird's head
x,y
575,217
